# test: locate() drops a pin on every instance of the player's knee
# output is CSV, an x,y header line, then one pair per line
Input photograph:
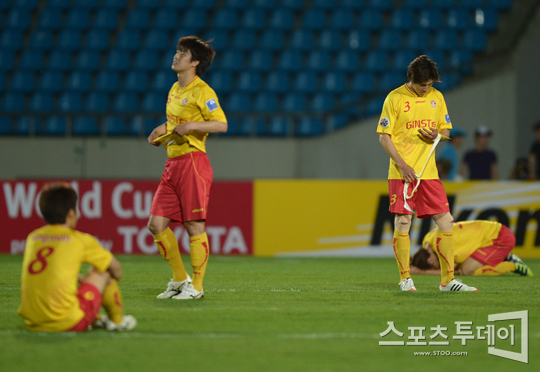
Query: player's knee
x,y
153,227
402,223
445,223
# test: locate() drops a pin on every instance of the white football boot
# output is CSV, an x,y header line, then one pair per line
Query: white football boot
x,y
456,285
407,285
174,288
189,293
127,324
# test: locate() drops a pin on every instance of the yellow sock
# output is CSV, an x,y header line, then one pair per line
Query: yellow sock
x,y
502,268
168,247
200,251
112,301
444,248
402,251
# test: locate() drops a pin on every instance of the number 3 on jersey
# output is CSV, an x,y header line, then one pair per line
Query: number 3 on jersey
x,y
407,106
40,263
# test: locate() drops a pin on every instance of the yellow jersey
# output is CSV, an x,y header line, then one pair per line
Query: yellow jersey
x,y
194,102
404,112
468,237
49,283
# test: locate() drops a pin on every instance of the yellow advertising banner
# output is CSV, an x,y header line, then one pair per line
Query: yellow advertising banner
x,y
351,218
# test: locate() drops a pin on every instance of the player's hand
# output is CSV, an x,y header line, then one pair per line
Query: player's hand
x,y
409,175
182,129
152,137
428,133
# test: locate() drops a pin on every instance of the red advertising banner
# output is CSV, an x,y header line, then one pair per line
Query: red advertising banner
x,y
116,212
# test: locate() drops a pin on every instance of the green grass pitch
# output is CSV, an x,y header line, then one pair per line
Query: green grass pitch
x,y
287,314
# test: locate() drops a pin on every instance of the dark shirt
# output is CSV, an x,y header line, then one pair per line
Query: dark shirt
x,y
479,163
535,149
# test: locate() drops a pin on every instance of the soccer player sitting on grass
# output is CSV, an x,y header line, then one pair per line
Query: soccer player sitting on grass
x,y
54,297
481,248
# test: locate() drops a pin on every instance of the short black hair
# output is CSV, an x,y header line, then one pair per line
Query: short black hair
x,y
200,51
55,202
420,259
422,69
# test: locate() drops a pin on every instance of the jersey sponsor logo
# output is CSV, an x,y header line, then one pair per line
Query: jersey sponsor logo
x,y
425,123
184,101
384,122
212,104
173,119
420,101
433,104
447,117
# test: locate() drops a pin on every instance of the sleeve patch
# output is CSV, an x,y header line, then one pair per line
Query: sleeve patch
x,y
212,105
384,122
447,117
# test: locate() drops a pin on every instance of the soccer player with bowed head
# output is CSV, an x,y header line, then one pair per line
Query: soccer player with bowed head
x,y
413,120
52,300
193,111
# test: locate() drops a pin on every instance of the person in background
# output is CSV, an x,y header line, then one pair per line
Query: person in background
x,y
481,162
534,155
450,153
521,170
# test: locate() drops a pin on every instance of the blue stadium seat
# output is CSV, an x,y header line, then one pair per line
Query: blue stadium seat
x,y
267,102
359,40
501,4
374,106
69,40
78,19
487,19
249,82
84,126
116,4
282,19
79,81
54,126
163,81
475,40
87,4
309,127
41,40
166,20
225,19
259,60
237,4
13,102
348,60
50,19
26,4
324,4
471,4
12,40
294,102
446,39
157,40
154,102
6,125
272,40
402,59
363,82
390,39
318,60
136,81
2,82
254,19
418,40
342,19
232,60
331,40
220,39
42,102
88,60
377,60
459,19
239,102
335,82
126,102
118,60
32,60
115,126
129,40
402,19
204,4
371,19
306,82
7,60
175,4
382,4
244,40
138,19
59,4
107,81
221,82
97,40
416,4
97,102
291,60
195,19
70,102
313,19
302,39
278,126
27,124
143,125
430,19
438,56
323,102
18,19
462,60
149,4
51,81
391,80
353,4
146,60
445,4
449,80
278,82
106,19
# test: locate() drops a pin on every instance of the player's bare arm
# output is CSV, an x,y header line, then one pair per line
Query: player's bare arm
x,y
115,269
212,126
431,133
159,131
409,175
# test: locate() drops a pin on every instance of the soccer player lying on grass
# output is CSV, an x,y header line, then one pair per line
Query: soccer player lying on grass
x,y
54,297
481,248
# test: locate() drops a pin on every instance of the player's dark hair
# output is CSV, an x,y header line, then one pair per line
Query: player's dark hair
x,y
200,51
420,259
422,69
55,202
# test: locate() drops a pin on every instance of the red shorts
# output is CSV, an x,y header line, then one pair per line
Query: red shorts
x,y
90,302
184,190
429,199
496,253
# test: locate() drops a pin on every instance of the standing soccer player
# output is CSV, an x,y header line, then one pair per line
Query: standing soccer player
x,y
413,118
193,111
